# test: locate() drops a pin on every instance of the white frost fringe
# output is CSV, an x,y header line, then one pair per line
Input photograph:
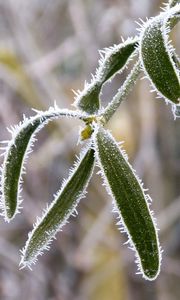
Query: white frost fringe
x,y
96,79
73,212
162,18
44,117
123,228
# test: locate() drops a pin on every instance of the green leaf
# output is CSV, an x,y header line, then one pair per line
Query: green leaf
x,y
157,56
130,202
61,208
16,153
115,59
112,60
88,99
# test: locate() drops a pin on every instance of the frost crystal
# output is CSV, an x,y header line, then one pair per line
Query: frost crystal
x,y
64,204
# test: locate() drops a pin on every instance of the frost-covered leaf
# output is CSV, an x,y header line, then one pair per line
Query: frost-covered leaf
x,y
88,99
16,152
113,60
131,202
157,56
64,205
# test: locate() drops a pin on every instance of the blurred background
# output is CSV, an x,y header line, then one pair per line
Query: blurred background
x,y
48,48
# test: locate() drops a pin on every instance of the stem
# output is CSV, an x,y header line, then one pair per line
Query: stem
x,y
122,92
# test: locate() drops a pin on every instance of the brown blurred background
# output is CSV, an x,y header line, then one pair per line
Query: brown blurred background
x,y
48,48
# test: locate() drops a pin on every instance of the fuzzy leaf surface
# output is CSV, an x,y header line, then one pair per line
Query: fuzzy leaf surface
x,y
60,209
131,201
113,60
16,153
88,99
157,56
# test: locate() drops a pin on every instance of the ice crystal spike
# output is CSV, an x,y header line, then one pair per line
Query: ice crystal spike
x,y
61,208
114,60
130,202
157,56
17,151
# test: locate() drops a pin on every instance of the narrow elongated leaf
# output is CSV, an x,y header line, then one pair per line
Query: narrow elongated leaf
x,y
130,202
112,60
61,208
157,56
16,152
